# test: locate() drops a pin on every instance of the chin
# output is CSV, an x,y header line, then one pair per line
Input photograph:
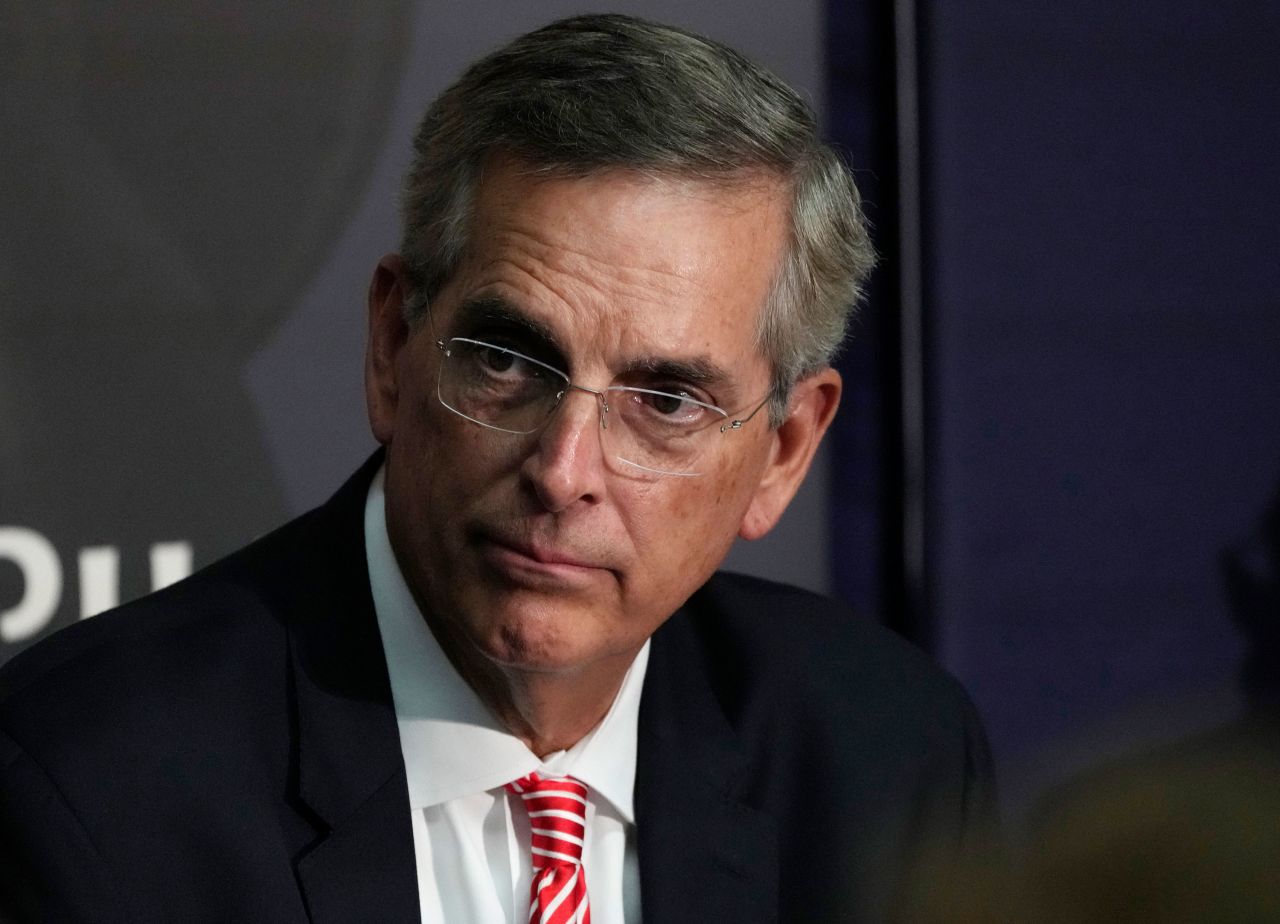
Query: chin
x,y
537,635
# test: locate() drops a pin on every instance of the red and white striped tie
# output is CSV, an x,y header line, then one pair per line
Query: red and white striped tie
x,y
557,808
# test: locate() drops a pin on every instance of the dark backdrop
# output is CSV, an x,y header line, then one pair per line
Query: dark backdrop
x,y
1099,257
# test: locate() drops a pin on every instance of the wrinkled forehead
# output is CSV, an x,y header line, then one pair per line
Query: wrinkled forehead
x,y
623,263
748,203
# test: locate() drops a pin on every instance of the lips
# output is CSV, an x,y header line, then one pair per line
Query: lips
x,y
518,556
543,555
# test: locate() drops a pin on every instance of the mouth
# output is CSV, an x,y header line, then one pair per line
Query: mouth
x,y
523,561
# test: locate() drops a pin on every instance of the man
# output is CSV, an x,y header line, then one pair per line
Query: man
x,y
495,675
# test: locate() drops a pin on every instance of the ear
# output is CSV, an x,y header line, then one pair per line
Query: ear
x,y
386,336
814,400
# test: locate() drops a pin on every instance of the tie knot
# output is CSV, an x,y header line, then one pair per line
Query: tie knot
x,y
557,807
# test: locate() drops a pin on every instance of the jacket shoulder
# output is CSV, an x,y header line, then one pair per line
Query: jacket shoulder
x,y
187,659
825,709
216,606
808,684
801,645
302,568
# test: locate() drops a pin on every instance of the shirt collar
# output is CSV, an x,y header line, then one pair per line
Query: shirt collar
x,y
452,744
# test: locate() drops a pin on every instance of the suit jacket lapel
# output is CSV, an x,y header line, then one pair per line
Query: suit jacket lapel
x,y
705,855
350,772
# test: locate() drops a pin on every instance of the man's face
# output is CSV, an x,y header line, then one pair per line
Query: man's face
x,y
539,551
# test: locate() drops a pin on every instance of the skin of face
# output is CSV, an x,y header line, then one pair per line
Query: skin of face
x,y
538,555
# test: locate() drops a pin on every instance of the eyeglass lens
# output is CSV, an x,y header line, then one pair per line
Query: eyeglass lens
x,y
496,387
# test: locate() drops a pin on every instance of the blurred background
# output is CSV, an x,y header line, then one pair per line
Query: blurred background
x,y
1057,466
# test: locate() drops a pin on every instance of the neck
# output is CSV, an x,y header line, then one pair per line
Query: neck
x,y
552,713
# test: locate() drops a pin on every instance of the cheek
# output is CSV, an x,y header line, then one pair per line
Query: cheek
x,y
448,449
729,488
427,454
736,481
645,517
685,529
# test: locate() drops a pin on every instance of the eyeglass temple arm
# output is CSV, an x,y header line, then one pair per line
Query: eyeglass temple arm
x,y
425,304
431,324
737,424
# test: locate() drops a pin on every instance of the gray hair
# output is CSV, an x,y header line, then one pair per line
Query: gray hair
x,y
596,92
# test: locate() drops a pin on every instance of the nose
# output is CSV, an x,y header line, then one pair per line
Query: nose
x,y
567,464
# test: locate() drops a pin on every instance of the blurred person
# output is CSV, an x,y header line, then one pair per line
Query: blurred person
x,y
1187,832
1166,840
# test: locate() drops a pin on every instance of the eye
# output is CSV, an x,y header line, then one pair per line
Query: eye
x,y
675,404
494,363
496,359
666,411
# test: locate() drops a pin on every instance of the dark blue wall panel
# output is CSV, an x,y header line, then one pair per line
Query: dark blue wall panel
x,y
1103,294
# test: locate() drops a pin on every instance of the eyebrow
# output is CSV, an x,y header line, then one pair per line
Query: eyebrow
x,y
496,310
697,370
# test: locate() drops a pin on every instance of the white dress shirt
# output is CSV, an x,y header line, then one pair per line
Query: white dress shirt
x,y
471,839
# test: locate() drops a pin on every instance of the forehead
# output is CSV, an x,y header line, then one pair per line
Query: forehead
x,y
621,261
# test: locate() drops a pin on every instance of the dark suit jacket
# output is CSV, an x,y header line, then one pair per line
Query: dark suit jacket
x,y
226,750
